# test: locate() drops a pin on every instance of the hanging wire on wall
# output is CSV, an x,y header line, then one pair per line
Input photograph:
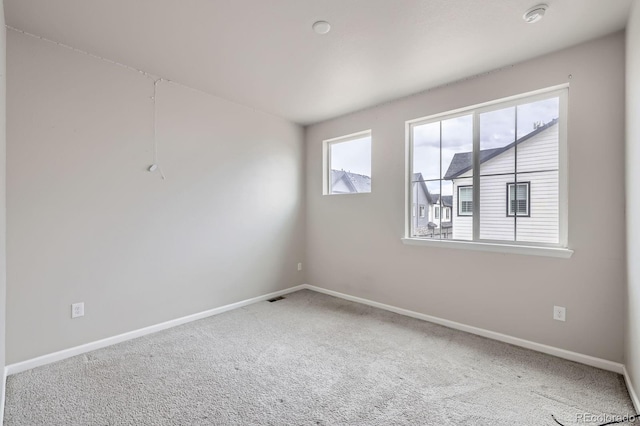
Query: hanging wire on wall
x,y
155,130
156,80
154,166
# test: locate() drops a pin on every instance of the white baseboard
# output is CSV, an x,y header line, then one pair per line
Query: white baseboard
x,y
560,353
632,392
92,346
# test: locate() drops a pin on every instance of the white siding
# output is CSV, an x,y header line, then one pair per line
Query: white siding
x,y
462,225
503,163
538,153
542,226
494,222
537,158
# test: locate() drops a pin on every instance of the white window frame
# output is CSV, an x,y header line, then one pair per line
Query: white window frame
x,y
422,209
326,160
561,249
436,212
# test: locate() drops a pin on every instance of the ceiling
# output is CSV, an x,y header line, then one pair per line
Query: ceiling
x,y
263,53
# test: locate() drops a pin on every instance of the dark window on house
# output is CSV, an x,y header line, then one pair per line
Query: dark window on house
x,y
518,196
465,200
437,212
422,211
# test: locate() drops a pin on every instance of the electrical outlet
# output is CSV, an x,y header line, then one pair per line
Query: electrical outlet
x,y
77,310
299,266
559,313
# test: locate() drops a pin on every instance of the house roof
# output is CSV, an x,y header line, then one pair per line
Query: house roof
x,y
354,181
447,200
417,177
462,162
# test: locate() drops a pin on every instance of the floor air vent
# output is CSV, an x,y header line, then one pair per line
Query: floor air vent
x,y
275,299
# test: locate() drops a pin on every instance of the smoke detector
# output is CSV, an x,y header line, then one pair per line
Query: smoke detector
x,y
535,13
321,27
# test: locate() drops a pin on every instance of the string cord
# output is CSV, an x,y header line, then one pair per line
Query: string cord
x,y
150,76
155,127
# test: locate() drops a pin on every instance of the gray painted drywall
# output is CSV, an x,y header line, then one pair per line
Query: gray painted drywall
x,y
3,195
88,223
353,241
632,347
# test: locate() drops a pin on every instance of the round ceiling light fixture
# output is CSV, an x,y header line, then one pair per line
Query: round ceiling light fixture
x,y
321,27
535,13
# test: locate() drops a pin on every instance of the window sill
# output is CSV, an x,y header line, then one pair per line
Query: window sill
x,y
347,193
492,247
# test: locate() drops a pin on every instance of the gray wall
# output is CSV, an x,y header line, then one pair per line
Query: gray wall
x,y
353,242
88,223
3,193
632,354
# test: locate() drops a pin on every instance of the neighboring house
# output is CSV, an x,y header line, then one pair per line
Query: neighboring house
x,y
421,202
533,200
429,216
348,183
442,211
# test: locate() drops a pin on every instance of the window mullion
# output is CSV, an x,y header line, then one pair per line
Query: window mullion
x,y
563,201
413,216
476,176
440,182
515,174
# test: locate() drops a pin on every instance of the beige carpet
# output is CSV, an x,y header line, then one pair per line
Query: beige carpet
x,y
312,359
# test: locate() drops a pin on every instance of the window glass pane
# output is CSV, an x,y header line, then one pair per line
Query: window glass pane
x,y
444,203
457,147
533,115
462,219
350,166
419,195
457,170
426,151
433,217
537,163
497,169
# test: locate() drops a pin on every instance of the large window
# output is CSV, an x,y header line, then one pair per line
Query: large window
x,y
347,164
500,165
